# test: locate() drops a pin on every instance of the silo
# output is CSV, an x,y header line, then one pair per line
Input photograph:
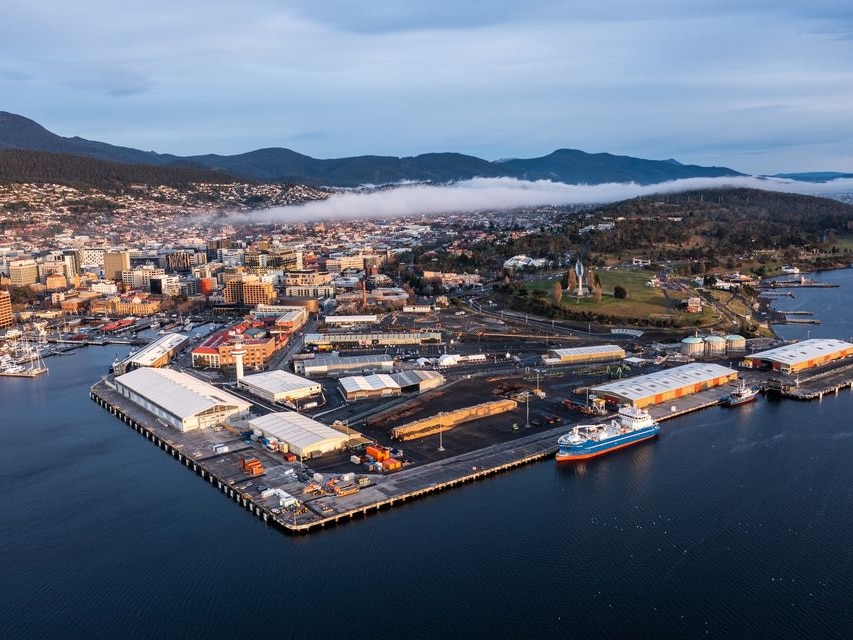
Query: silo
x,y
715,346
692,346
735,344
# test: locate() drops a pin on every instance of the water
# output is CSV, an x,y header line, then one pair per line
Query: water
x,y
734,523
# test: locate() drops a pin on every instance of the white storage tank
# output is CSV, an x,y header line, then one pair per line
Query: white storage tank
x,y
735,344
715,346
693,346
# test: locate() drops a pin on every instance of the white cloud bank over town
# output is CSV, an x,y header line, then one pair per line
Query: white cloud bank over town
x,y
496,194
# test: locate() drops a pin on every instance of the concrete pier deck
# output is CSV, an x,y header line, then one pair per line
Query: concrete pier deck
x,y
223,470
195,450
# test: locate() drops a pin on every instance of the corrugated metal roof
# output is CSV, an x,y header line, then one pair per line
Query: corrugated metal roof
x,y
652,384
326,361
178,393
804,351
414,376
150,353
375,382
591,350
278,381
296,429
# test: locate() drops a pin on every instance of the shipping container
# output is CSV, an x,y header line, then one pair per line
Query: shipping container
x,y
355,459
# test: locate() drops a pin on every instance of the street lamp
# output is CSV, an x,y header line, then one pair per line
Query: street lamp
x,y
527,405
440,441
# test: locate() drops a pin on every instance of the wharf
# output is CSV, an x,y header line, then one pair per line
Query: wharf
x,y
798,284
222,469
816,386
26,373
195,451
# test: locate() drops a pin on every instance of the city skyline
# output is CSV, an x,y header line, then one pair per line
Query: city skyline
x,y
333,79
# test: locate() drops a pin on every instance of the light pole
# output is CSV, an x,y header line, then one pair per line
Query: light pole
x,y
527,405
440,441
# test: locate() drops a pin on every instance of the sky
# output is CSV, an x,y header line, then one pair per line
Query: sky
x,y
759,86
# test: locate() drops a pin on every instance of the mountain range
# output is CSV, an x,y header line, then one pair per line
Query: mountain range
x,y
570,166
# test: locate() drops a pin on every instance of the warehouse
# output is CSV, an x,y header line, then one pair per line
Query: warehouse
x,y
582,355
156,354
793,358
384,385
179,399
299,434
280,386
334,365
666,385
350,321
364,387
328,341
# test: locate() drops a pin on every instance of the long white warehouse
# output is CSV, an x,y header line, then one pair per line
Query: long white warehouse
x,y
279,386
666,385
179,399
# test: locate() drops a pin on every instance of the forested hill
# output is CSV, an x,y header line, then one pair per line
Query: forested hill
x,y
705,227
717,222
18,165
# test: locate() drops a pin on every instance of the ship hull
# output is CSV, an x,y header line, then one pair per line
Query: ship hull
x,y
593,450
736,399
739,401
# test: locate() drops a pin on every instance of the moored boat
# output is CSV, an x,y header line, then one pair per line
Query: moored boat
x,y
741,395
590,440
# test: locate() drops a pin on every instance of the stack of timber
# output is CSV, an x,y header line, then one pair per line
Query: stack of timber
x,y
446,421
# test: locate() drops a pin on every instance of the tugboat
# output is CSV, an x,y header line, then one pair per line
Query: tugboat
x,y
741,395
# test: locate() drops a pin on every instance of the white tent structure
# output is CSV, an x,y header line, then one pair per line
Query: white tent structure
x,y
300,434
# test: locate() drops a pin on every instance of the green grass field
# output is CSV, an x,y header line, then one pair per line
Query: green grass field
x,y
642,302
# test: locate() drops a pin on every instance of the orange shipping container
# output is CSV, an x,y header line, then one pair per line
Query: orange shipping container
x,y
379,453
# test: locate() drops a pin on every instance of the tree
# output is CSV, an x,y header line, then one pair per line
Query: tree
x,y
597,294
558,291
572,284
620,292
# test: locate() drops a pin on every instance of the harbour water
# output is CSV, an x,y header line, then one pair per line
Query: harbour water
x,y
733,523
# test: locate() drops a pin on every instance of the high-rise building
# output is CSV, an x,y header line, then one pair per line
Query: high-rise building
x,y
114,263
258,293
141,278
5,309
23,272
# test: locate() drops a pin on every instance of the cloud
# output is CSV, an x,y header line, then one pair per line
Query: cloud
x,y
492,78
498,194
